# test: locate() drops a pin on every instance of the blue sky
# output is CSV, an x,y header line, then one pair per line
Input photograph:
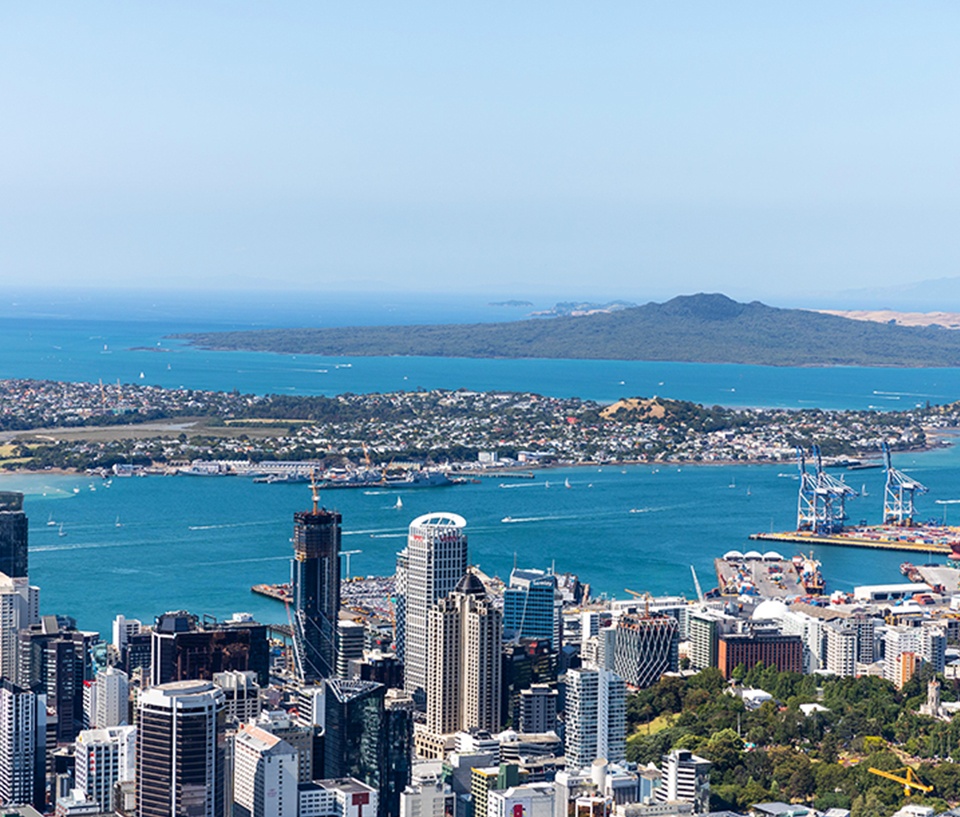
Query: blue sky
x,y
635,150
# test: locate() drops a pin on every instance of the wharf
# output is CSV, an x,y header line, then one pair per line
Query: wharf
x,y
280,592
880,537
499,474
769,578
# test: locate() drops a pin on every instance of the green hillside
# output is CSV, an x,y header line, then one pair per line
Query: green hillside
x,y
696,328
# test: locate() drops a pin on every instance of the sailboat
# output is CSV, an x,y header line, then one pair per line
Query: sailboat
x,y
566,483
50,520
118,523
863,490
61,531
399,504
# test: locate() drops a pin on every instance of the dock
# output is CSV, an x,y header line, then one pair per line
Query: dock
x,y
906,540
770,576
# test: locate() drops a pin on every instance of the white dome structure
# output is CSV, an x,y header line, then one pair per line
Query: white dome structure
x,y
769,609
732,556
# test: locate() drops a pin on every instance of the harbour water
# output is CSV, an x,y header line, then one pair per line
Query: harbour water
x,y
141,546
200,543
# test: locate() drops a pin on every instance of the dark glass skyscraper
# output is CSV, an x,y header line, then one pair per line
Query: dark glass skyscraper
x,y
315,582
13,535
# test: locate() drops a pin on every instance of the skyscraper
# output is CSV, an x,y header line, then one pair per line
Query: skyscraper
x,y
464,634
104,757
180,750
596,717
646,647
186,648
13,535
264,775
533,607
315,583
19,609
22,745
430,566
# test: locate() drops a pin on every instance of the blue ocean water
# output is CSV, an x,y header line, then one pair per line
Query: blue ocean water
x,y
200,544
88,350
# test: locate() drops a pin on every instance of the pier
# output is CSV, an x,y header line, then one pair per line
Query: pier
x,y
877,542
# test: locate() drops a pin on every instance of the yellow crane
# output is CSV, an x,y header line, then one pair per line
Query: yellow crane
x,y
638,596
908,779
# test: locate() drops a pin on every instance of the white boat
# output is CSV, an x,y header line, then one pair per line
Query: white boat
x,y
546,483
61,531
76,490
507,519
399,504
50,520
118,523
863,490
566,483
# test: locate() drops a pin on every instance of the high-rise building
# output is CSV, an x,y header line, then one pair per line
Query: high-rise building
x,y
180,750
596,717
241,695
704,628
186,648
103,758
349,646
302,738
23,728
531,661
538,709
841,651
646,647
315,584
464,633
773,648
430,566
264,775
13,535
19,609
533,607
112,699
686,778
358,742
57,656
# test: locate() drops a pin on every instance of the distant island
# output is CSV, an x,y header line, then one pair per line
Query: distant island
x,y
576,308
703,328
511,303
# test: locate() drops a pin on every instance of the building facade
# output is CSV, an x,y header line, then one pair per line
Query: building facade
x,y
464,635
13,535
180,750
23,729
315,585
596,719
646,647
430,566
265,775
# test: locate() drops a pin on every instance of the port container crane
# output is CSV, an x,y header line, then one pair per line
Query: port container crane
x,y
898,494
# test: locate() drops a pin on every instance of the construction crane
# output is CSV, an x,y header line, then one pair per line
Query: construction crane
x,y
644,596
908,779
348,554
898,494
366,455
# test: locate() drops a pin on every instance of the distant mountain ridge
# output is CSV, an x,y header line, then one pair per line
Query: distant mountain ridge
x,y
704,328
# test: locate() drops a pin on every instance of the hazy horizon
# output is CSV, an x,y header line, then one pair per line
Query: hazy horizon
x,y
769,152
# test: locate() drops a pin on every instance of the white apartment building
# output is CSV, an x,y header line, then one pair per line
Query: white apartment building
x,y
264,775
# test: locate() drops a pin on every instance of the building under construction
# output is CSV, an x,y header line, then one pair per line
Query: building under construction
x,y
821,514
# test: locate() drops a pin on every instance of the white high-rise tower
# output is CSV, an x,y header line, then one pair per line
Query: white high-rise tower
x,y
430,566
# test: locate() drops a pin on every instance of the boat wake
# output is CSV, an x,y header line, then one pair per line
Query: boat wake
x,y
229,525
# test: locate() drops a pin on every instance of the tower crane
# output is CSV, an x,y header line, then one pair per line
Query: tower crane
x,y
644,596
908,779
